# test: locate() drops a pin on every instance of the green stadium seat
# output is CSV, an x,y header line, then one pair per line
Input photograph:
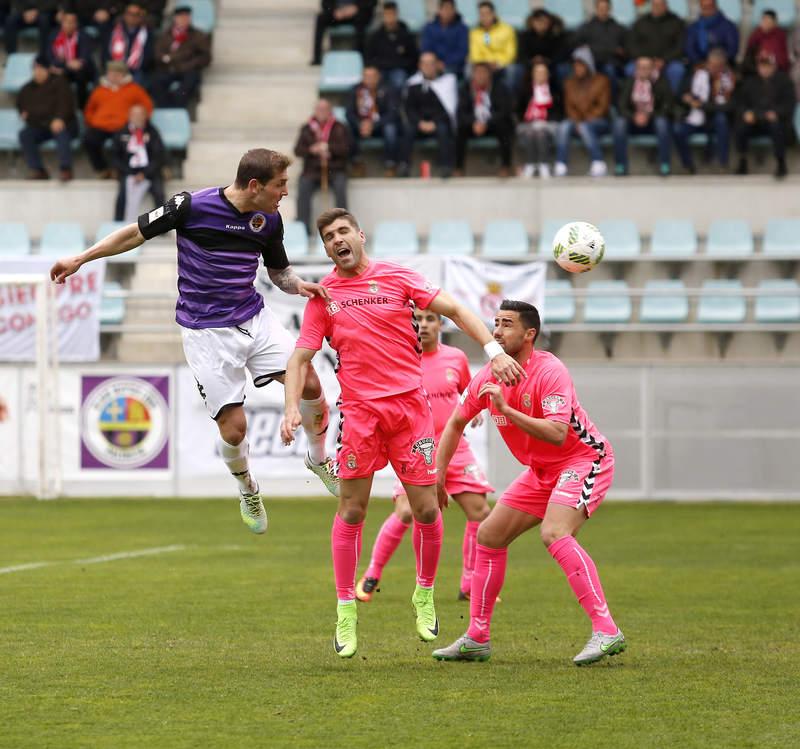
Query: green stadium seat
x,y
777,309
341,70
624,12
174,126
62,238
787,13
547,234
673,238
664,309
679,7
559,307
469,12
622,239
513,12
732,9
607,308
295,239
713,308
412,13
505,239
450,238
782,237
729,238
395,239
570,11
112,309
10,125
14,239
18,71
109,227
204,16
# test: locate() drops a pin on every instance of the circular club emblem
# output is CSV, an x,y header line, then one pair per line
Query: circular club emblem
x,y
257,222
125,422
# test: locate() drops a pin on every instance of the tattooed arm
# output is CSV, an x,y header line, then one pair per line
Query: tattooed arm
x,y
288,281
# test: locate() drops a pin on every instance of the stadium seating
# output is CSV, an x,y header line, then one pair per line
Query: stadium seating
x,y
18,71
341,70
570,11
548,233
605,307
14,239
785,9
729,238
10,125
673,238
624,11
469,13
412,13
174,126
112,308
506,239
622,239
559,304
295,239
513,12
778,309
732,9
450,238
781,237
204,16
715,308
664,309
106,228
680,8
62,238
395,239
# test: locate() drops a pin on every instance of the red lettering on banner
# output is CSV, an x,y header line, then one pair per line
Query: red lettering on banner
x,y
76,284
16,323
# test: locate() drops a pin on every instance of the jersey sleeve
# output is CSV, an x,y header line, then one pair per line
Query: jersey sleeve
x,y
470,404
316,325
172,215
419,289
274,253
555,390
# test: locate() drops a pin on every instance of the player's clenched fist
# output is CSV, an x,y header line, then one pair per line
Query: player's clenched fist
x,y
291,420
495,393
63,268
507,370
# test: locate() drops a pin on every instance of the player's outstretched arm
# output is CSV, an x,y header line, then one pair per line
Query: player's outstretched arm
x,y
448,443
293,384
289,282
506,369
123,239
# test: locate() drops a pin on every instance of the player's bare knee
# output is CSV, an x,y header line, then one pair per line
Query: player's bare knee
x,y
551,532
486,536
312,389
427,514
404,514
352,514
232,432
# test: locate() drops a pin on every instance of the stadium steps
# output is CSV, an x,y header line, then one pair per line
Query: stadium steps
x,y
236,38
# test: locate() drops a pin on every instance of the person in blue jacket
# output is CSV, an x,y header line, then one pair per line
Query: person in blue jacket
x,y
447,36
712,29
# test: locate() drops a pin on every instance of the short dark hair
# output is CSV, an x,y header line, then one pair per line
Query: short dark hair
x,y
447,2
771,13
390,5
528,314
487,4
328,217
262,165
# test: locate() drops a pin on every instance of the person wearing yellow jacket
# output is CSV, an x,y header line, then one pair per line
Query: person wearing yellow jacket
x,y
495,43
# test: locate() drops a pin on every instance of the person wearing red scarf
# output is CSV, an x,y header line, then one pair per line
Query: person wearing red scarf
x,y
539,111
69,53
131,42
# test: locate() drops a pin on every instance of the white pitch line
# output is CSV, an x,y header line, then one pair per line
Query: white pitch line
x,y
131,554
23,567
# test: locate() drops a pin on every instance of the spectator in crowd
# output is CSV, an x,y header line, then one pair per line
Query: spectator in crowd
x,y
373,110
645,108
706,103
606,39
587,102
181,53
29,14
431,105
712,29
494,42
485,107
131,42
764,107
447,36
47,106
356,13
138,157
98,14
107,112
543,37
538,112
658,35
392,48
324,147
767,38
69,53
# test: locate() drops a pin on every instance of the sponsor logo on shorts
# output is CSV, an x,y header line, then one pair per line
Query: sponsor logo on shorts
x,y
567,476
352,463
424,447
500,420
257,221
432,471
526,400
553,404
474,470
200,389
372,286
333,308
563,494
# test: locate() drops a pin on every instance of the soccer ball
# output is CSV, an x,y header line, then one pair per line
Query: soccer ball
x,y
578,246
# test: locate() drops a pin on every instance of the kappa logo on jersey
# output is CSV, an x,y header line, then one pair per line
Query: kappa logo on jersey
x,y
179,200
553,404
424,447
257,222
372,286
333,308
526,400
500,420
567,476
352,463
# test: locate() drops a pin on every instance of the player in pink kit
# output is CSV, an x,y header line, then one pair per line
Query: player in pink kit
x,y
445,374
385,414
570,469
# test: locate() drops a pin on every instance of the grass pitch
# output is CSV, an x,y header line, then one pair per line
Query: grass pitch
x,y
223,639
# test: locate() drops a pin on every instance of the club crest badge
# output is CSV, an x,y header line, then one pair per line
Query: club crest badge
x,y
451,374
567,476
257,222
372,286
553,404
352,463
424,447
526,400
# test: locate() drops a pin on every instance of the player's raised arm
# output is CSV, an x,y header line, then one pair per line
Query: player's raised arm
x,y
289,282
293,384
123,239
506,369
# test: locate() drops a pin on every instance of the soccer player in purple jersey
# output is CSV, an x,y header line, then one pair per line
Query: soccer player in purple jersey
x,y
221,233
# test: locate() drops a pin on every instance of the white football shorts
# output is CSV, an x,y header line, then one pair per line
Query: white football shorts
x,y
218,357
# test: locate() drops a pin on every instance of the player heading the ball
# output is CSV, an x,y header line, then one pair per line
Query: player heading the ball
x,y
385,413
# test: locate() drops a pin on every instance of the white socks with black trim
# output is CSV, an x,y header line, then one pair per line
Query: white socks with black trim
x,y
314,418
235,457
